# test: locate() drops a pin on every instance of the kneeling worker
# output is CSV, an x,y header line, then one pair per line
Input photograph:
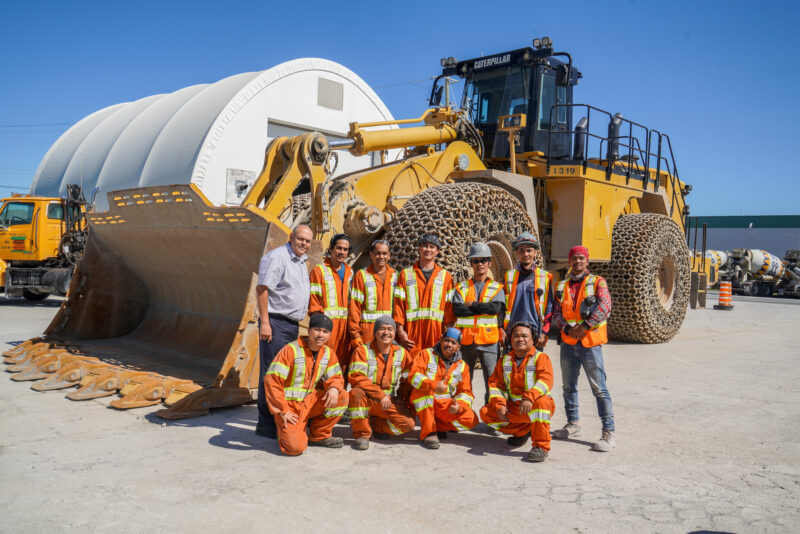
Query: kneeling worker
x,y
379,390
442,395
304,386
519,394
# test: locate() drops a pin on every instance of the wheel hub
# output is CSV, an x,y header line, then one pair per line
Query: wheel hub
x,y
666,283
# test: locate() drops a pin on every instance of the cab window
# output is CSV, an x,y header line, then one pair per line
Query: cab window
x,y
55,211
17,213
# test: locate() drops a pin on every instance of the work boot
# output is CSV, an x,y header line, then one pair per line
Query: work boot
x,y
431,442
441,435
383,436
569,431
606,443
266,432
536,454
518,441
361,444
331,443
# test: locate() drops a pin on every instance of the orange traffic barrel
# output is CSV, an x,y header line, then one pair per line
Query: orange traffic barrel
x,y
724,297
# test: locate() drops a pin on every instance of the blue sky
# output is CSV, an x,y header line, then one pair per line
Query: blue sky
x,y
721,78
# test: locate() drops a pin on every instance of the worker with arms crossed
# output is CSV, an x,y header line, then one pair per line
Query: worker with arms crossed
x,y
379,387
282,293
305,388
519,394
371,295
529,295
582,307
422,307
479,304
442,395
330,291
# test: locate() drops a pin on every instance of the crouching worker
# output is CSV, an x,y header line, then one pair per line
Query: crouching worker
x,y
519,394
442,395
304,387
379,390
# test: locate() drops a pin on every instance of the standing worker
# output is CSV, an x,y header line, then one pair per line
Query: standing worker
x,y
330,288
478,305
305,387
529,295
520,403
282,293
371,296
422,307
442,395
379,387
582,307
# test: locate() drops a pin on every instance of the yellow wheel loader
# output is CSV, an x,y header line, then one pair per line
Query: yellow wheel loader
x,y
162,309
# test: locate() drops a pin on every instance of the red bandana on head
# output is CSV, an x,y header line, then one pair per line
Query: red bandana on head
x,y
578,250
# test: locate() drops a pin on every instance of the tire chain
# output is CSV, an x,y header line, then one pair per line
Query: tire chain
x,y
639,243
460,214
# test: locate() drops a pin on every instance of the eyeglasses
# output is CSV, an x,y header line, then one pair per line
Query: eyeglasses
x,y
480,260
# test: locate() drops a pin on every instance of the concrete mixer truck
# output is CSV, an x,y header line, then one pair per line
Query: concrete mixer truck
x,y
754,272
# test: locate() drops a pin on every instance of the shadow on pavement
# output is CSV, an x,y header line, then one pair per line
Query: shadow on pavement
x,y
22,303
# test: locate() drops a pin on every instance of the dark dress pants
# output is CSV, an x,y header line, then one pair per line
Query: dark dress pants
x,y
284,331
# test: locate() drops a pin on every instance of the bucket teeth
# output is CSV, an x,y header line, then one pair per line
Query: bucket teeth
x,y
72,369
26,355
38,367
21,348
104,382
139,392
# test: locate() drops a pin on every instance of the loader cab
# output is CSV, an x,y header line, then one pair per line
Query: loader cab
x,y
530,81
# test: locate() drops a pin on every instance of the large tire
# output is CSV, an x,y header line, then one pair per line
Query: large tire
x,y
648,278
31,295
460,214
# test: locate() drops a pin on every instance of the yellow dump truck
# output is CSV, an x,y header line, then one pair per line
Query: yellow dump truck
x,y
161,308
41,239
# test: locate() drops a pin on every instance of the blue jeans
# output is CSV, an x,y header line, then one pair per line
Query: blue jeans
x,y
488,357
572,358
283,333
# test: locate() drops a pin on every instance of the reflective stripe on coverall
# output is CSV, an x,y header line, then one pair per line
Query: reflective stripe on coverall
x,y
369,299
423,308
330,296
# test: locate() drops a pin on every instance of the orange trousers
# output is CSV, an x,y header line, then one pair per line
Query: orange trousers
x,y
437,418
537,422
312,414
367,414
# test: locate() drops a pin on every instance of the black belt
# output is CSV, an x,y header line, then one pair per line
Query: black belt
x,y
283,318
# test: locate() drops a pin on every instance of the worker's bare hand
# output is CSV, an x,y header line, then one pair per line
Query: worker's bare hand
x,y
386,402
266,331
331,397
454,407
502,413
579,331
541,341
405,342
525,406
289,418
440,388
503,337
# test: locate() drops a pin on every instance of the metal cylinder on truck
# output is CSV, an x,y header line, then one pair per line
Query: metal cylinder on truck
x,y
763,265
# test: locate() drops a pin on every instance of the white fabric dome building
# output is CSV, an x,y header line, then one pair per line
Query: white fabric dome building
x,y
212,135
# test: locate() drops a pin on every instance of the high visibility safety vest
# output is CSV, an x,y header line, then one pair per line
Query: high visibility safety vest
x,y
369,297
456,374
332,307
412,296
370,368
478,329
571,312
296,390
541,281
541,415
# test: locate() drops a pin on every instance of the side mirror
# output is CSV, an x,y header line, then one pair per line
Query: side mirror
x,y
436,99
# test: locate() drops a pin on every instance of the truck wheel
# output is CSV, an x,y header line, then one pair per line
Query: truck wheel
x,y
754,290
765,290
460,214
648,278
31,295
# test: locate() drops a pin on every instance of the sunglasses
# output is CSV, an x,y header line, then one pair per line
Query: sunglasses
x,y
480,260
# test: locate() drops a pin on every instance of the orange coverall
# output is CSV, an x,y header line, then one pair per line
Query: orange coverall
x,y
428,370
363,310
329,295
413,308
371,379
295,382
509,384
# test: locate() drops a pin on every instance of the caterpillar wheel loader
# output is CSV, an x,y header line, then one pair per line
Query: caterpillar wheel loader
x,y
161,307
